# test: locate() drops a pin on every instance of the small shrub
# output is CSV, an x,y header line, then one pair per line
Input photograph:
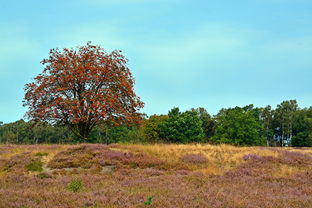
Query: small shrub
x,y
193,158
41,154
149,200
74,185
34,166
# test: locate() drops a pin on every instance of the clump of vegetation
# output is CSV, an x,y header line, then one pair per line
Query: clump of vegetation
x,y
16,163
194,158
149,200
81,156
87,156
34,166
41,154
74,185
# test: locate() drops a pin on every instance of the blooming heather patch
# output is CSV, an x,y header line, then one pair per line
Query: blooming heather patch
x,y
295,158
250,184
87,156
17,162
193,158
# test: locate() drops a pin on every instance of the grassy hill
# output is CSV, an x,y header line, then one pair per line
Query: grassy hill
x,y
159,175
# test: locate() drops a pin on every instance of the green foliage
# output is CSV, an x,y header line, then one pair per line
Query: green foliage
x,y
303,129
149,200
266,115
239,126
41,154
285,125
115,134
21,132
284,120
302,139
34,166
208,122
74,185
182,127
151,128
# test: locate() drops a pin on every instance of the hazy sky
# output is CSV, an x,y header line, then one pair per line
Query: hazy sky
x,y
185,53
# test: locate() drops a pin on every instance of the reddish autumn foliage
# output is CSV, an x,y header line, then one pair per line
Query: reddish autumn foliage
x,y
81,87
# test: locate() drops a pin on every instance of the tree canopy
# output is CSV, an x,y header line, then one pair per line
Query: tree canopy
x,y
239,126
181,127
81,87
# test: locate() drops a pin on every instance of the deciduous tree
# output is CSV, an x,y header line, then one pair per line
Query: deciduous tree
x,y
239,126
82,86
181,127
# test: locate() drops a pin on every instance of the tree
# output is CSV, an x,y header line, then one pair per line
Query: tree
x,y
239,126
267,118
208,122
284,118
302,128
181,127
81,87
150,128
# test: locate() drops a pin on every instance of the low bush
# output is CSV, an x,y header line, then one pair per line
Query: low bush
x,y
34,166
74,185
41,154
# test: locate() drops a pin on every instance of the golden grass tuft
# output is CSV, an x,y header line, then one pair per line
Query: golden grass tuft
x,y
283,170
221,158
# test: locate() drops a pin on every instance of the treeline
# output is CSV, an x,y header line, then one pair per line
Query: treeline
x,y
286,125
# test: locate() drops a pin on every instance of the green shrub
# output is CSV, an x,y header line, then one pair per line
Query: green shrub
x,y
41,154
149,200
34,166
74,185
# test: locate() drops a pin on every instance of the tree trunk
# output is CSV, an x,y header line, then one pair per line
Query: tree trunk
x,y
267,135
282,138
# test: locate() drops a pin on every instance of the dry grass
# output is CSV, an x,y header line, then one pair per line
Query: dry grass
x,y
220,158
194,175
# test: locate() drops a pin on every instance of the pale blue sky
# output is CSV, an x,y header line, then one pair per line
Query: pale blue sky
x,y
185,53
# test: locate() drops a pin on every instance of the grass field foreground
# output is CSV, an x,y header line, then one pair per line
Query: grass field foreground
x,y
155,175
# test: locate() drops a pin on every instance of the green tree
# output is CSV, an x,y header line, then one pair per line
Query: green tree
x,y
208,122
267,118
239,126
302,129
182,127
151,129
284,118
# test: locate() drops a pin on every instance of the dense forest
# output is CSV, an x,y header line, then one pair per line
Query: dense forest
x,y
286,125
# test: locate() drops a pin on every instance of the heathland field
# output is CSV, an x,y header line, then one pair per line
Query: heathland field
x,y
160,175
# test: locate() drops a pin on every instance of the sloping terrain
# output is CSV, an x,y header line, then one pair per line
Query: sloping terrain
x,y
94,175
